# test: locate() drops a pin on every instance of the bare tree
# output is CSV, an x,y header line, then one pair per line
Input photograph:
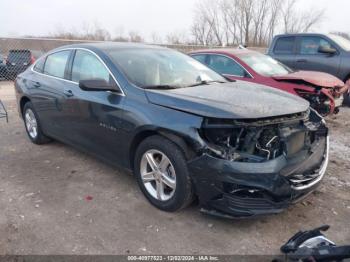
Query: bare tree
x,y
207,28
253,22
246,7
101,35
342,34
119,34
273,18
156,38
311,19
296,21
88,31
135,37
288,15
202,31
177,37
230,21
259,21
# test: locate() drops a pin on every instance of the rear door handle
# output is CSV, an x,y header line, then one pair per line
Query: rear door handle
x,y
302,60
68,92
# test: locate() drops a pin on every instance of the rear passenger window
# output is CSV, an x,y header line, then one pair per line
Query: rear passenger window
x,y
56,64
225,66
87,66
201,58
284,45
39,66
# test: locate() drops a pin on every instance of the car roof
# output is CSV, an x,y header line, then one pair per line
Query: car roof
x,y
227,51
302,34
109,46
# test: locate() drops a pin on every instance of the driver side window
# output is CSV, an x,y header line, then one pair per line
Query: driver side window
x,y
86,66
310,45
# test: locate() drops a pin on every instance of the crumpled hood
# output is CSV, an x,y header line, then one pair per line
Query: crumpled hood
x,y
312,77
237,100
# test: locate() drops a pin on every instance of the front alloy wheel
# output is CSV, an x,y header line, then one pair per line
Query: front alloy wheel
x,y
161,171
158,175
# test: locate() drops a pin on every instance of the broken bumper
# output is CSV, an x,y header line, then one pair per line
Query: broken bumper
x,y
241,190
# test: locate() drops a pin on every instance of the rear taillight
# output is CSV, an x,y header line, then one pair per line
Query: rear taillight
x,y
32,59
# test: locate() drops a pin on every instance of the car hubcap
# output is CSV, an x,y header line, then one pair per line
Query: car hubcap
x,y
31,123
158,175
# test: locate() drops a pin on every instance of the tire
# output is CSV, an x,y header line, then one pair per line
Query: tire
x,y
32,125
346,101
172,199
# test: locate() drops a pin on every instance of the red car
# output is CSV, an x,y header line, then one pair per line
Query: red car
x,y
322,90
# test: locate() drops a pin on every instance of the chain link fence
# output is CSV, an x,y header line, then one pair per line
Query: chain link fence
x,y
17,54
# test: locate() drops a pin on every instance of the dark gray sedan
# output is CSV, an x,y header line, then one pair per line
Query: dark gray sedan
x,y
242,149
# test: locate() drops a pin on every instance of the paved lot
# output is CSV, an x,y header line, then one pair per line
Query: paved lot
x,y
46,205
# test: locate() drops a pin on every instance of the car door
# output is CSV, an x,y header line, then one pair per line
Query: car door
x,y
227,67
46,88
284,50
309,58
93,117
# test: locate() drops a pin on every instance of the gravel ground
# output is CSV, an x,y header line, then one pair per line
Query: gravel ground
x,y
56,200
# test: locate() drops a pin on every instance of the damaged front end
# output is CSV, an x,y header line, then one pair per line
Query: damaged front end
x,y
320,99
323,91
325,101
255,167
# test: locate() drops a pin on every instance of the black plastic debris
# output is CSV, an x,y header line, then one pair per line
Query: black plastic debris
x,y
3,112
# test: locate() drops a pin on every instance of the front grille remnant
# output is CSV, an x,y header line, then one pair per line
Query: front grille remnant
x,y
305,181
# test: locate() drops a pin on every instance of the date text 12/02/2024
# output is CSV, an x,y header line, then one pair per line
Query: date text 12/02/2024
x,y
173,258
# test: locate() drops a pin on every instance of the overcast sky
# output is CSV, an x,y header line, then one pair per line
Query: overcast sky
x,y
42,17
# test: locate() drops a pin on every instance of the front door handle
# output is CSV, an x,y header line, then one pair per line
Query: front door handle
x,y
302,60
37,84
68,93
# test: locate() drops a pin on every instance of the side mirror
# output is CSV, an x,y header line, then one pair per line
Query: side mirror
x,y
327,50
97,85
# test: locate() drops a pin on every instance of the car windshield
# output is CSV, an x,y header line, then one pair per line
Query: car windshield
x,y
341,41
151,67
265,65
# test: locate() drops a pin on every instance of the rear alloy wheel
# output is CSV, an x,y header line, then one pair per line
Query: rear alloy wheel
x,y
162,174
32,125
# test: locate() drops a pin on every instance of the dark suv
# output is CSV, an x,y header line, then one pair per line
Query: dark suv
x,y
317,52
18,61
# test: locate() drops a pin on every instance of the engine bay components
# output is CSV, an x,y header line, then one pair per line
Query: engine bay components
x,y
261,141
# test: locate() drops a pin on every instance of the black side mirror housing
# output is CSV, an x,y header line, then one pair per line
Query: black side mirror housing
x,y
327,50
97,85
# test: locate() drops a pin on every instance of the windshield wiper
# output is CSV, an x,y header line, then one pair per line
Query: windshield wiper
x,y
164,87
205,82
